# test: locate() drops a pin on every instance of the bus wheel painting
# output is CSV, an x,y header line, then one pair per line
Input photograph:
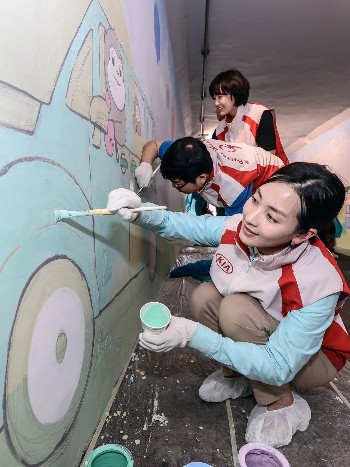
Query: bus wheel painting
x,y
49,359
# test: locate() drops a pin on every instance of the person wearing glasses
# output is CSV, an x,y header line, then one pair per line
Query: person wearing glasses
x,y
224,174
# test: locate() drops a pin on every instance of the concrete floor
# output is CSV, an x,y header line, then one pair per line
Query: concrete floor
x,y
159,417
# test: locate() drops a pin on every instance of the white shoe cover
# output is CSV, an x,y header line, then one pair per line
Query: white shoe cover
x,y
218,388
277,427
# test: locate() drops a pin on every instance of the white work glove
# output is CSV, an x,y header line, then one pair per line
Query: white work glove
x,y
122,201
143,174
177,334
127,214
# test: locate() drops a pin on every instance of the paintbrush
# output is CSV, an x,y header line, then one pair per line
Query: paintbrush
x,y
63,214
153,174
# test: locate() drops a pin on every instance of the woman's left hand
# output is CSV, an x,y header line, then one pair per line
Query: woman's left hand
x,y
177,334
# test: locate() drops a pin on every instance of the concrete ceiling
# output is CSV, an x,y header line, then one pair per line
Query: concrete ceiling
x,y
295,53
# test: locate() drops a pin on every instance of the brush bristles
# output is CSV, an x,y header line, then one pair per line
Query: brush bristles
x,y
57,215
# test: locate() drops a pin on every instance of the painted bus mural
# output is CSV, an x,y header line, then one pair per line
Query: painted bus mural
x,y
73,122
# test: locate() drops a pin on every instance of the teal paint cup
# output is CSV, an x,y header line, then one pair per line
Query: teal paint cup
x,y
110,455
155,317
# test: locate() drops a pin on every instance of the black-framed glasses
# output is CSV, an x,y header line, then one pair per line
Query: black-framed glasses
x,y
176,184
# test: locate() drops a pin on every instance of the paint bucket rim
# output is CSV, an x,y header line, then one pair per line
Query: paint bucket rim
x,y
105,448
251,446
150,328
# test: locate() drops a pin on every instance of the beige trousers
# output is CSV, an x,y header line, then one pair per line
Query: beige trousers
x,y
243,319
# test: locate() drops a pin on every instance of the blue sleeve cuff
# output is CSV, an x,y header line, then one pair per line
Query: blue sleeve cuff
x,y
237,206
205,340
163,148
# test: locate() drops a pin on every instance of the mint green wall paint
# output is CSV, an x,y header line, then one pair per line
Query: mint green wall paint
x,y
71,291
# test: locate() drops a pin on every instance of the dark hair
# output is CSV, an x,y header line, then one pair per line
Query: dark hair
x,y
231,82
321,192
185,159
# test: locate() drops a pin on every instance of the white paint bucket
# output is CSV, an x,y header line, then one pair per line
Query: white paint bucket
x,y
155,317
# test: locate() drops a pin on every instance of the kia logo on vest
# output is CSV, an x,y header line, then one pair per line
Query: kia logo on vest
x,y
223,263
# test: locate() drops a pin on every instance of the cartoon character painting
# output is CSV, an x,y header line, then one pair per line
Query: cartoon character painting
x,y
115,93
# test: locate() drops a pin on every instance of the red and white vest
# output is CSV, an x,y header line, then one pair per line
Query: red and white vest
x,y
243,127
297,277
235,166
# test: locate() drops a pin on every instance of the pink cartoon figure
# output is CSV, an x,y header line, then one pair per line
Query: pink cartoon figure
x,y
115,93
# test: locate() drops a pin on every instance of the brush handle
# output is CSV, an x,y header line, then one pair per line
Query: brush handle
x,y
102,212
64,214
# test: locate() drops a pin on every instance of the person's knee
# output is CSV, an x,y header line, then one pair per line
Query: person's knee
x,y
204,303
229,320
236,306
238,316
318,371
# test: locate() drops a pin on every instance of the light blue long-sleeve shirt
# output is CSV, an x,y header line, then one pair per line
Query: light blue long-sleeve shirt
x,y
297,338
201,230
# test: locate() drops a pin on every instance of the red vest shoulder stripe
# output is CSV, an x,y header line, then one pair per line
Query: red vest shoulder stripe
x,y
328,255
242,245
221,136
290,293
216,188
264,174
279,148
229,237
336,345
252,125
244,177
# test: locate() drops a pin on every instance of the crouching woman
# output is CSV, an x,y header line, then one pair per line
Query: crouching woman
x,y
270,316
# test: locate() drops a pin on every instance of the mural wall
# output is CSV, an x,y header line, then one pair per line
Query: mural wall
x,y
330,144
83,84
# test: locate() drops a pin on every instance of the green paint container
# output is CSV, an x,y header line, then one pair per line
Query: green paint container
x,y
110,455
155,317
